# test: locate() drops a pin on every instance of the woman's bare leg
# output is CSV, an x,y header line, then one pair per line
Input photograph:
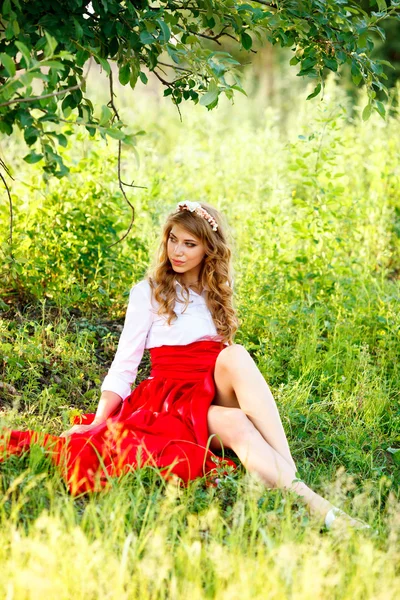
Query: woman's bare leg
x,y
236,431
240,384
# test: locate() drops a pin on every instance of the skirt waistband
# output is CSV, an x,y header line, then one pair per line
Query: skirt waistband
x,y
188,362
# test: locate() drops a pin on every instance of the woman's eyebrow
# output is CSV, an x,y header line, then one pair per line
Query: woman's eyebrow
x,y
189,240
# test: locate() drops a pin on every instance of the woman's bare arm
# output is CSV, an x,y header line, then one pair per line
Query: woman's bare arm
x,y
108,402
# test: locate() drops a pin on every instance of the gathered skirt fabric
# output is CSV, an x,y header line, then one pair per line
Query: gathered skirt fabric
x,y
162,423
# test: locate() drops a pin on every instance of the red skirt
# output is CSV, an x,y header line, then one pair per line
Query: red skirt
x,y
162,423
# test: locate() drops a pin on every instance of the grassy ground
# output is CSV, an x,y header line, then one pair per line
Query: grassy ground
x,y
314,207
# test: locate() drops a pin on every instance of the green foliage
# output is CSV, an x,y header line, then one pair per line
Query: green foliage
x,y
314,209
45,45
61,245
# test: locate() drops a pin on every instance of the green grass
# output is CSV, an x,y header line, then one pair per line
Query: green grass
x,y
316,235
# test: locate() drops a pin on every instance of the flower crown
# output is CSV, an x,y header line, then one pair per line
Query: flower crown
x,y
197,208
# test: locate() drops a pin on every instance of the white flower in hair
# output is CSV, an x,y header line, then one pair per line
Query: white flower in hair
x,y
191,205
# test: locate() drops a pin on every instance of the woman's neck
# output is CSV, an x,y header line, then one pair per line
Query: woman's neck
x,y
194,284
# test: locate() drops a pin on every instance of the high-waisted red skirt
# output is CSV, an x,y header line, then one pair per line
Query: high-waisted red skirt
x,y
162,423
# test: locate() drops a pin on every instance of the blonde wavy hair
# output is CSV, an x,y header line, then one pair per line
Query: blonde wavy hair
x,y
216,271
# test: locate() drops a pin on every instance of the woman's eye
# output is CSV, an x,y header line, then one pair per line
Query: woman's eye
x,y
187,243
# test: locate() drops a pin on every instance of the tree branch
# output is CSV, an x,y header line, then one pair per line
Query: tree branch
x,y
207,37
120,182
173,67
4,166
34,98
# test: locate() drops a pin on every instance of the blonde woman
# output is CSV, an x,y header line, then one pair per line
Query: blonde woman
x,y
201,382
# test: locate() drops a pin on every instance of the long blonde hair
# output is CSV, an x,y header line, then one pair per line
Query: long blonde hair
x,y
216,271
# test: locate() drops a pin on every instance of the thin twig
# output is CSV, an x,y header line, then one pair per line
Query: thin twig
x,y
207,37
142,187
163,81
173,67
170,84
120,182
34,98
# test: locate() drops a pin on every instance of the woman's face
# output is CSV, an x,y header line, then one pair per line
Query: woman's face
x,y
184,247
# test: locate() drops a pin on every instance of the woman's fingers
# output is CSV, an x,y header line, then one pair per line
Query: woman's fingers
x,y
66,433
79,429
76,429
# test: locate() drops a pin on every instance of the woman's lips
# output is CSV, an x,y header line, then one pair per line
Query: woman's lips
x,y
178,262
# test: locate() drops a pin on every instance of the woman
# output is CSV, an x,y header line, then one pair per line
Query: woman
x,y
202,386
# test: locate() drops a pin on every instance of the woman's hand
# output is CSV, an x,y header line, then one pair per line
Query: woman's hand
x,y
79,429
109,402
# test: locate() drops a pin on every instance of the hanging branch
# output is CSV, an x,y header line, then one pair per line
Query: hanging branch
x,y
6,169
120,182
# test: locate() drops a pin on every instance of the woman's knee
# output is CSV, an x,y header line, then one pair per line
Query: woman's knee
x,y
230,424
231,356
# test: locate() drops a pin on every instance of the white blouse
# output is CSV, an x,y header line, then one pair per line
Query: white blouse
x,y
143,328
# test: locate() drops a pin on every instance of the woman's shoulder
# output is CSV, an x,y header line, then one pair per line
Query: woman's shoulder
x,y
142,284
143,289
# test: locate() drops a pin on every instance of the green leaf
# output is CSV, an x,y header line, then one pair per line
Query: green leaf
x,y
105,64
316,91
6,8
66,106
51,44
33,158
54,64
105,116
124,74
238,88
115,133
331,63
367,112
165,30
78,29
62,140
9,32
24,51
355,73
143,77
363,39
130,140
381,5
380,108
16,28
385,62
8,63
211,95
5,127
247,41
146,38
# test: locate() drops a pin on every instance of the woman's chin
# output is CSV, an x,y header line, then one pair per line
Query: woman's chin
x,y
178,268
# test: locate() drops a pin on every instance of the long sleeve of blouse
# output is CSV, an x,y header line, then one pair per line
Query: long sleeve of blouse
x,y
131,345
